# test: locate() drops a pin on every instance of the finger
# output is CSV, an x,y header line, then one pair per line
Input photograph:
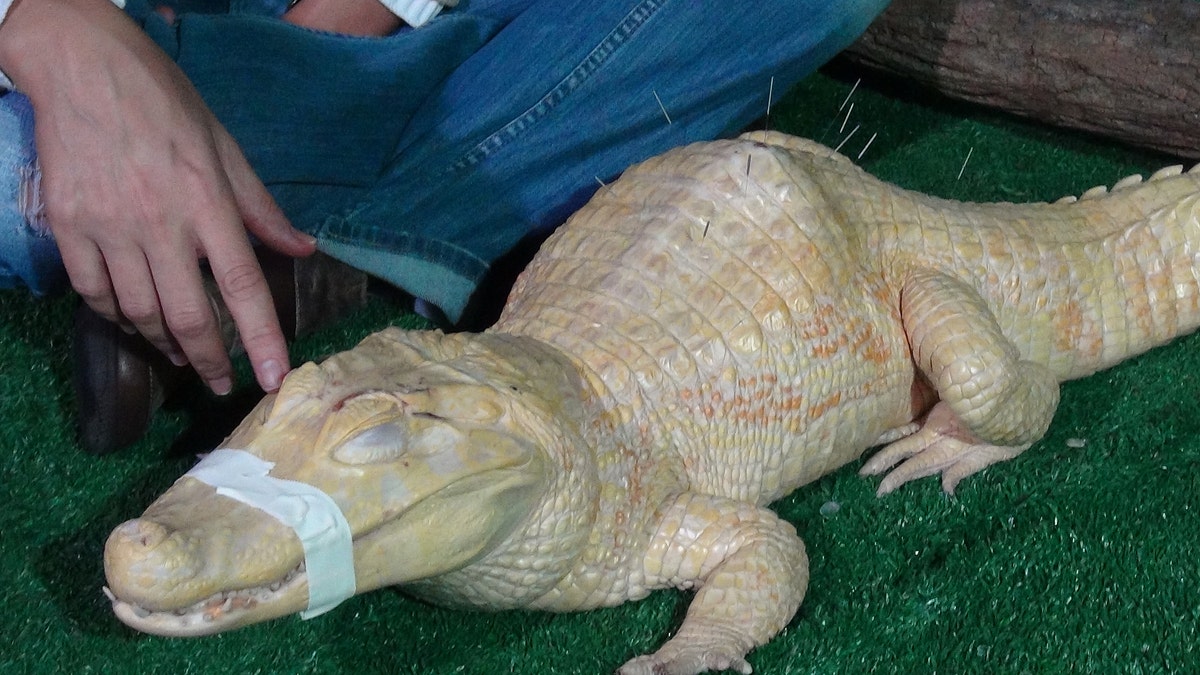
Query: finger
x,y
259,212
248,298
221,237
191,321
88,272
89,275
138,301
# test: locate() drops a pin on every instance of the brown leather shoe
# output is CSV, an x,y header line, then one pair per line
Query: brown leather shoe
x,y
120,379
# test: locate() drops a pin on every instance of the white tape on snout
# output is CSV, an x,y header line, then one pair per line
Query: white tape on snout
x,y
312,514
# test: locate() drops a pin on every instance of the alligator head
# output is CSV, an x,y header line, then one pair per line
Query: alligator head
x,y
436,448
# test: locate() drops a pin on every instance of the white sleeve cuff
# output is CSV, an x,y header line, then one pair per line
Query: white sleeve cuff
x,y
415,12
6,5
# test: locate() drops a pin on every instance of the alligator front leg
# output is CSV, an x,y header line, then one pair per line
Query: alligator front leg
x,y
992,404
748,568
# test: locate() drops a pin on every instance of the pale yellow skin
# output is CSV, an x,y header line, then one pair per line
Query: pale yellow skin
x,y
723,324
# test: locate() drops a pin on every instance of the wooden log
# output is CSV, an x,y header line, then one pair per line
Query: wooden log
x,y
1125,69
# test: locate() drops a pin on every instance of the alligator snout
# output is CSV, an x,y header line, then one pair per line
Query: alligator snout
x,y
144,558
172,558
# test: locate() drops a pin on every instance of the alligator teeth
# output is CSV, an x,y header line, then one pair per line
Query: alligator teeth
x,y
1098,191
1167,172
215,606
1128,181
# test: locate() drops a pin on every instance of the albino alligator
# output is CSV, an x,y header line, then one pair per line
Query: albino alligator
x,y
723,324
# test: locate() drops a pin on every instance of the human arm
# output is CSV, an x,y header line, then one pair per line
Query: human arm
x,y
140,180
363,17
349,17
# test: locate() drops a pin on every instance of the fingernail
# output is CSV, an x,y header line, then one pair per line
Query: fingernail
x,y
221,386
177,358
271,375
128,328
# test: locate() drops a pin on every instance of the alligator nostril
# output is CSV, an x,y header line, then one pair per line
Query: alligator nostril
x,y
143,557
140,533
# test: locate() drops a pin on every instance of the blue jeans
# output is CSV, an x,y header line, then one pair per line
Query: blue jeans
x,y
424,156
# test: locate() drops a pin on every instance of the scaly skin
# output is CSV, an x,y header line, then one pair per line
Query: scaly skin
x,y
722,325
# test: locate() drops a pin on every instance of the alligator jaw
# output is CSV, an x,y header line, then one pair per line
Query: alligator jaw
x,y
171,573
221,612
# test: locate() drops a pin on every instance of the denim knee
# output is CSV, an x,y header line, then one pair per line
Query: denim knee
x,y
29,256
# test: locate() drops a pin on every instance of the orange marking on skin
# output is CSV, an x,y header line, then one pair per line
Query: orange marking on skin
x,y
816,325
819,409
886,296
823,350
1068,325
814,330
872,347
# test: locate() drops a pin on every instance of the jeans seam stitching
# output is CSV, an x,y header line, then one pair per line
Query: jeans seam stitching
x,y
435,251
601,53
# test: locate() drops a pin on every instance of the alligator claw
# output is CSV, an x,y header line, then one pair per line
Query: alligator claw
x,y
942,445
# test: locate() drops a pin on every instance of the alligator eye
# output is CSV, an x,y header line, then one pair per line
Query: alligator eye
x,y
381,443
355,415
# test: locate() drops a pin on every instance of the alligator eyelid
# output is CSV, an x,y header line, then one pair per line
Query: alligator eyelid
x,y
338,405
429,416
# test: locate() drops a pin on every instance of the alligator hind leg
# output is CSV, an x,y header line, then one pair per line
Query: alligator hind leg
x,y
749,571
942,445
992,404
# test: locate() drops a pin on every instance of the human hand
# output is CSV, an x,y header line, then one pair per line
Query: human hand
x,y
139,180
349,17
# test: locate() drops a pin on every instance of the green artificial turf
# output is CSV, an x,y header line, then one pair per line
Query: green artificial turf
x,y
1069,558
